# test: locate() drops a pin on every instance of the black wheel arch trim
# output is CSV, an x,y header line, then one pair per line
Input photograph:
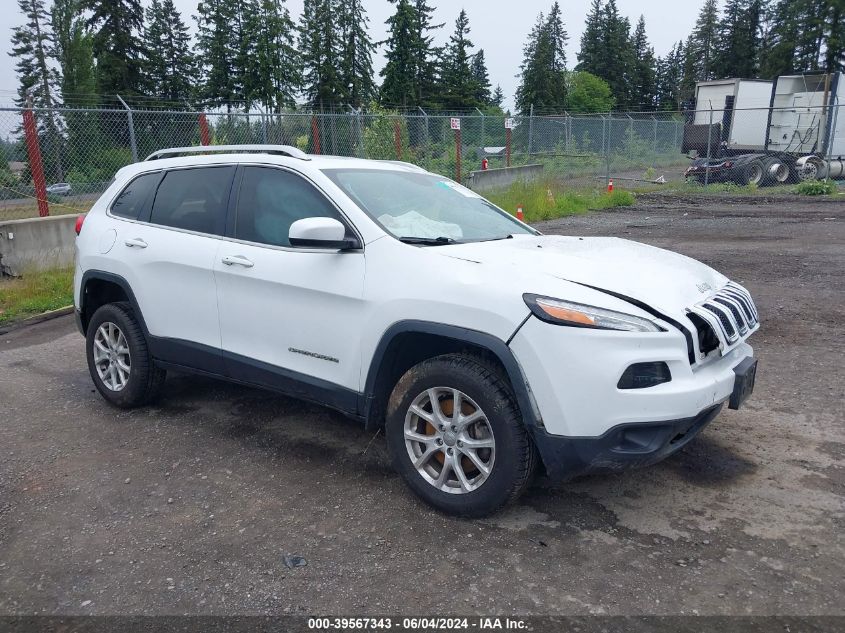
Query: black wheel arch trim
x,y
102,275
488,342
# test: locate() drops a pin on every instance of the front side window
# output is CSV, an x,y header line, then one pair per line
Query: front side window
x,y
194,199
270,200
131,201
416,206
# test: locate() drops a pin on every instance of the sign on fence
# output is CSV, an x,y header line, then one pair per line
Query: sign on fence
x,y
509,124
456,123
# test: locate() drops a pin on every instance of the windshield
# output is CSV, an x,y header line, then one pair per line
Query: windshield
x,y
425,208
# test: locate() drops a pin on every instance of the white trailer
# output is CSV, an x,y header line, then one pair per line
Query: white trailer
x,y
768,132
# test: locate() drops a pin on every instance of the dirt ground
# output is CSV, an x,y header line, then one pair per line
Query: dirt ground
x,y
190,506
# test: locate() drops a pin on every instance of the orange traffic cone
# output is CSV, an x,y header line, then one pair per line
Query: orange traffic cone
x,y
519,214
610,185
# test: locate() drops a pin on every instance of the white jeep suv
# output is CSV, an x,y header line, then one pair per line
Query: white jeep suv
x,y
485,349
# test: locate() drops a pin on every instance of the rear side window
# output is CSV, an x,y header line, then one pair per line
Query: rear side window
x,y
270,200
134,197
194,199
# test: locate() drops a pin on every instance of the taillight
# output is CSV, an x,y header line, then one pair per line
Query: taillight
x,y
79,220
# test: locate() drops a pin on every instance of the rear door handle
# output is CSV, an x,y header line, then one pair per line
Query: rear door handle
x,y
240,260
136,242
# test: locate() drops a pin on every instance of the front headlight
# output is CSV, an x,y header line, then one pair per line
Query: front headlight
x,y
573,314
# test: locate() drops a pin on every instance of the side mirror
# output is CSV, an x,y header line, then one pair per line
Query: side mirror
x,y
320,233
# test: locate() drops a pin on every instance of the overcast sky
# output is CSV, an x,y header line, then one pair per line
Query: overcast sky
x,y
498,27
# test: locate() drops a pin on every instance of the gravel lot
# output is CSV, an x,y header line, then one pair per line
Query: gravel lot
x,y
190,506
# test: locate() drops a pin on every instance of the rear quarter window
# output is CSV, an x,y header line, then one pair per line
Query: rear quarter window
x,y
135,197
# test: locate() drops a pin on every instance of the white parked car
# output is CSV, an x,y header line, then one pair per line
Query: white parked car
x,y
60,189
485,349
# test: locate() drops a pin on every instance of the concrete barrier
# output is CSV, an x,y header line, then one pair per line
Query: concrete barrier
x,y
37,243
502,177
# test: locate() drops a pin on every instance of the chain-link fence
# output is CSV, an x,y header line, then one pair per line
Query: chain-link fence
x,y
80,149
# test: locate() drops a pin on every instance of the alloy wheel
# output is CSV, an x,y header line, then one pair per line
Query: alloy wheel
x,y
111,356
449,440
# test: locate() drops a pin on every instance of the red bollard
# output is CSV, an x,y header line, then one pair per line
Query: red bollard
x,y
484,164
36,166
397,138
205,136
315,133
508,146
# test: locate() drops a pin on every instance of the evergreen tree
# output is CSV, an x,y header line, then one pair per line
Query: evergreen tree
x,y
498,97
273,64
689,73
74,53
410,74
607,51
739,35
669,77
217,49
805,36
543,76
73,50
319,46
427,56
591,57
481,79
116,43
458,84
356,60
643,81
168,64
703,46
399,85
32,44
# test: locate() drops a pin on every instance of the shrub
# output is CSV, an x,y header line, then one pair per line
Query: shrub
x,y
816,188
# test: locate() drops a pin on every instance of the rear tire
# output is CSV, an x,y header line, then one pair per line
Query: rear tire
x,y
752,172
776,172
482,444
119,359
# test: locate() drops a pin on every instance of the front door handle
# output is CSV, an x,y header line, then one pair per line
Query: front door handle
x,y
240,260
136,242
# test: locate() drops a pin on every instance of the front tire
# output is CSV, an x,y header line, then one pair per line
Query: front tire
x,y
119,359
456,436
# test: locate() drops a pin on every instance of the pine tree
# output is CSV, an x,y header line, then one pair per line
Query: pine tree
x,y
356,56
74,54
217,51
643,88
427,56
320,49
689,74
32,44
116,43
669,78
498,97
458,85
410,74
607,51
273,64
591,57
739,39
705,41
481,79
168,63
543,70
399,85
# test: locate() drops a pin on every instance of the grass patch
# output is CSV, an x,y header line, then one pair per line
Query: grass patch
x,y
548,200
35,292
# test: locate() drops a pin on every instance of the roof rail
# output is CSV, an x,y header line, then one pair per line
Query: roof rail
x,y
282,150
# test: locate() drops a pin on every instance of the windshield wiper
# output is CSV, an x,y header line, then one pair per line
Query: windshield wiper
x,y
427,241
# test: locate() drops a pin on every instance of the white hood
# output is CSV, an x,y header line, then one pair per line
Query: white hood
x,y
666,281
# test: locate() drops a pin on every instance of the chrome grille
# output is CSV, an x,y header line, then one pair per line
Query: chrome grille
x,y
730,312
